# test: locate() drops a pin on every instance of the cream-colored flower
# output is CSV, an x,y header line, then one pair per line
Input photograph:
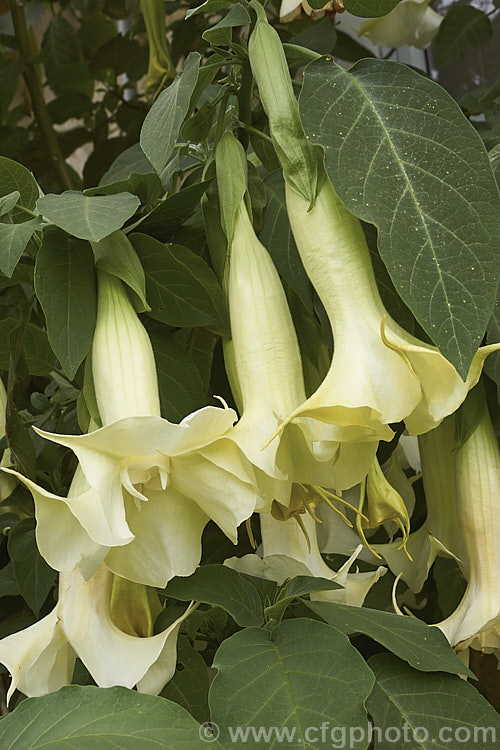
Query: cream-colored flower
x,y
41,658
440,533
264,365
379,374
476,620
153,485
290,549
412,23
291,9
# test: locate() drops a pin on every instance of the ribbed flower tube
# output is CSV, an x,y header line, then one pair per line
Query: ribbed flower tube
x,y
123,363
476,621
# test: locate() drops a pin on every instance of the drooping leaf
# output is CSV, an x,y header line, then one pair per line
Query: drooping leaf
x,y
439,710
163,122
421,645
220,34
300,675
222,587
65,286
463,28
402,156
88,217
172,212
14,176
7,202
132,160
84,717
179,381
180,287
147,187
13,241
34,577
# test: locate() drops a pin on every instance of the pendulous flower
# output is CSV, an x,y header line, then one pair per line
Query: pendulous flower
x,y
411,22
154,485
85,623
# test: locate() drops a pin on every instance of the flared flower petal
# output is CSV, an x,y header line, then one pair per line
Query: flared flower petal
x,y
39,658
379,374
411,23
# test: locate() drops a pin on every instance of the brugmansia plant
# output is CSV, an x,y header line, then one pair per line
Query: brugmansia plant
x,y
248,394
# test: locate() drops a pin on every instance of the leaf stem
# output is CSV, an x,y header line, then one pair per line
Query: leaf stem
x,y
40,109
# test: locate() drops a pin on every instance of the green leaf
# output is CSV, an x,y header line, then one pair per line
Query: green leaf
x,y
441,707
295,588
173,212
14,176
277,237
13,241
220,34
7,325
65,286
369,8
147,187
402,156
132,160
34,577
116,255
421,645
300,675
189,686
462,29
88,217
60,47
121,54
181,288
209,6
222,587
39,357
319,36
179,381
163,122
88,717
8,582
8,202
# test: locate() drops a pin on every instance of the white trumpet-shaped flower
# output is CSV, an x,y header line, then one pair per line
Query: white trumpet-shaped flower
x,y
292,9
264,365
154,485
411,22
439,534
476,620
291,549
41,658
379,374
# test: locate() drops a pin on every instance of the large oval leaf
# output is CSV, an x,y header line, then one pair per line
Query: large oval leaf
x,y
292,680
89,217
402,156
88,717
65,286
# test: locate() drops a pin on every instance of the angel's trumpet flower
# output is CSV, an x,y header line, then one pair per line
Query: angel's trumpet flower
x,y
291,549
157,484
106,622
161,70
264,366
411,22
476,620
379,374
439,534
